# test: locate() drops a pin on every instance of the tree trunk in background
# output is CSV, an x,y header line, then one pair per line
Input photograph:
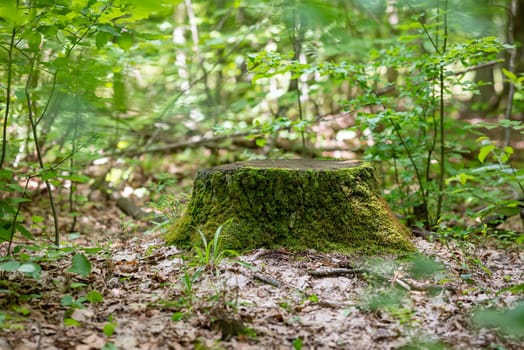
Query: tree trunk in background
x,y
519,36
519,41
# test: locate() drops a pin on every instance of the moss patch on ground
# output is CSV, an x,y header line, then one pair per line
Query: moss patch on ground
x,y
298,204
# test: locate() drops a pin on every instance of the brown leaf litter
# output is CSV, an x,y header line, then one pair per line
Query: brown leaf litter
x,y
267,299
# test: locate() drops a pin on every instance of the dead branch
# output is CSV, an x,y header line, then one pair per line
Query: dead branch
x,y
337,272
402,283
267,279
171,147
130,208
334,304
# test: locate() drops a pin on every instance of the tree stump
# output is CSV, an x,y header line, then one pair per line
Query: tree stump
x,y
298,204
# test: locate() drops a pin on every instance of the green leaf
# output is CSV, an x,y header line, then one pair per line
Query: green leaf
x,y
109,346
71,322
485,151
142,9
5,228
48,175
508,321
24,231
510,75
102,38
73,235
91,251
17,200
66,300
79,303
109,329
9,266
80,265
34,39
78,5
77,178
462,178
177,316
5,234
94,297
76,285
260,142
8,11
313,298
297,344
37,219
125,41
24,311
31,269
516,289
423,267
26,268
60,62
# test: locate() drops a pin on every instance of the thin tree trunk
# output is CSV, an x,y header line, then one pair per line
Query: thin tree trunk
x,y
511,68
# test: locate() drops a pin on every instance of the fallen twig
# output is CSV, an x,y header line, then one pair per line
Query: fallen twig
x,y
402,283
337,272
334,304
267,279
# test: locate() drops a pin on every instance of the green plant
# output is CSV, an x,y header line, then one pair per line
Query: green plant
x,y
109,346
25,260
94,297
167,202
411,138
59,97
286,304
516,289
391,301
422,267
11,320
27,33
80,265
507,321
69,301
424,345
407,131
210,254
188,280
109,329
29,269
297,344
383,300
177,316
28,261
502,181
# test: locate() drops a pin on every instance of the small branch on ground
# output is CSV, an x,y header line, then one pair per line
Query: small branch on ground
x,y
402,283
268,279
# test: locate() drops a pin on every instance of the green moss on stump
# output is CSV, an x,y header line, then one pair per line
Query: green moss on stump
x,y
325,205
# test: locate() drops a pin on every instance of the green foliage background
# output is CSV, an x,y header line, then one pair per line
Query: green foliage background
x,y
128,83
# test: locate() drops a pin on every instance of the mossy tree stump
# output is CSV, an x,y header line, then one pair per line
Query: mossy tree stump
x,y
325,205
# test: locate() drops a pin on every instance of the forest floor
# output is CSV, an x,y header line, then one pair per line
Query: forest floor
x,y
143,294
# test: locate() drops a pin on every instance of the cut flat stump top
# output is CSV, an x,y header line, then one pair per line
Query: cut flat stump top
x,y
299,204
289,164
